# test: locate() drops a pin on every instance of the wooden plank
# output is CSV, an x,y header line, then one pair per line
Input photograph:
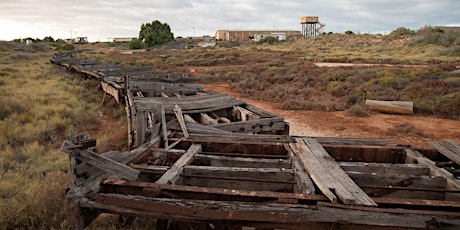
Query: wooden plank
x,y
205,119
414,156
243,162
297,215
304,183
106,87
449,149
163,126
317,172
243,114
240,137
351,141
180,118
194,192
368,154
400,107
264,174
188,119
176,169
385,168
237,183
359,196
418,187
100,162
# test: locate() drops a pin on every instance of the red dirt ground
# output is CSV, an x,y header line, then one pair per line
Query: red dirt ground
x,y
339,124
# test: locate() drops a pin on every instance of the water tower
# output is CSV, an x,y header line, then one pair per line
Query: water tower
x,y
310,26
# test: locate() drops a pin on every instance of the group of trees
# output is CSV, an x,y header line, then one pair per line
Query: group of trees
x,y
152,34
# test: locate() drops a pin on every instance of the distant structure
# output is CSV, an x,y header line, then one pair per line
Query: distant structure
x,y
310,26
123,40
81,40
250,35
279,36
206,42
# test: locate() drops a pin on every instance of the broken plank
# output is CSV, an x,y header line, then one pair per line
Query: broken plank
x,y
163,126
100,162
176,169
449,149
359,196
304,183
316,171
413,156
180,118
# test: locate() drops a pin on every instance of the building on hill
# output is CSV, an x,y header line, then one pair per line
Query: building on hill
x,y
249,35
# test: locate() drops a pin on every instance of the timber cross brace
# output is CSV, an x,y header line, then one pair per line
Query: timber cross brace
x,y
210,161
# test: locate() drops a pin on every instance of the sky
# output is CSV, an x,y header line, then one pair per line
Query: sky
x,y
103,20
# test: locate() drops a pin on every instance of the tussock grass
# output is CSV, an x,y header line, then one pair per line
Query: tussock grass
x,y
39,105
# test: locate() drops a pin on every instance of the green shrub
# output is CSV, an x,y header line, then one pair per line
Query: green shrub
x,y
270,40
135,43
399,33
65,47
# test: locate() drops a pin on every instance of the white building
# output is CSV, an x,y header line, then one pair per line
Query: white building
x,y
279,36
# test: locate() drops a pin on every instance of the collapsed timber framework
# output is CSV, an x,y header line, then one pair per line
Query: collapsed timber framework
x,y
201,160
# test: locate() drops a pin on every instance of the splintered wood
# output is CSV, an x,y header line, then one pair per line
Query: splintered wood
x,y
328,175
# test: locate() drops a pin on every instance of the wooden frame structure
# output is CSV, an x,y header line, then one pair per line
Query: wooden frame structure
x,y
187,168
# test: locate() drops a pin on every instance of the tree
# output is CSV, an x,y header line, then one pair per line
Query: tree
x,y
155,33
48,39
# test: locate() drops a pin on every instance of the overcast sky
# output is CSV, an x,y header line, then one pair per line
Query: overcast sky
x,y
101,20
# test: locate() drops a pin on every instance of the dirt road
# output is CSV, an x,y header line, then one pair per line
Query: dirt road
x,y
399,129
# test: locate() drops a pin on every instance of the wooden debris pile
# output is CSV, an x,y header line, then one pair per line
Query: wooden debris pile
x,y
205,161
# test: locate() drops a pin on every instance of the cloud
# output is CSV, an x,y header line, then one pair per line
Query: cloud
x,y
102,19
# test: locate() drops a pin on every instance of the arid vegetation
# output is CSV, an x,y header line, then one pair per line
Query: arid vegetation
x,y
39,105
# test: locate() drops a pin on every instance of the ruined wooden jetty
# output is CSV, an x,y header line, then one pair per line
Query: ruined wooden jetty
x,y
210,161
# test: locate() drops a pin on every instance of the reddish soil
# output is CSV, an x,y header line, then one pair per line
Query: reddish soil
x,y
339,124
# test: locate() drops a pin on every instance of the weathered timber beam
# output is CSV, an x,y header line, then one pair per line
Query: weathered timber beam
x,y
240,137
243,114
100,162
418,187
243,162
359,196
449,149
350,141
241,147
414,156
111,91
268,174
176,169
180,118
194,192
273,213
385,168
304,183
316,171
441,205
368,154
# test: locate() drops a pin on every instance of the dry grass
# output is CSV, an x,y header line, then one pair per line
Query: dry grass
x,y
39,105
406,128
